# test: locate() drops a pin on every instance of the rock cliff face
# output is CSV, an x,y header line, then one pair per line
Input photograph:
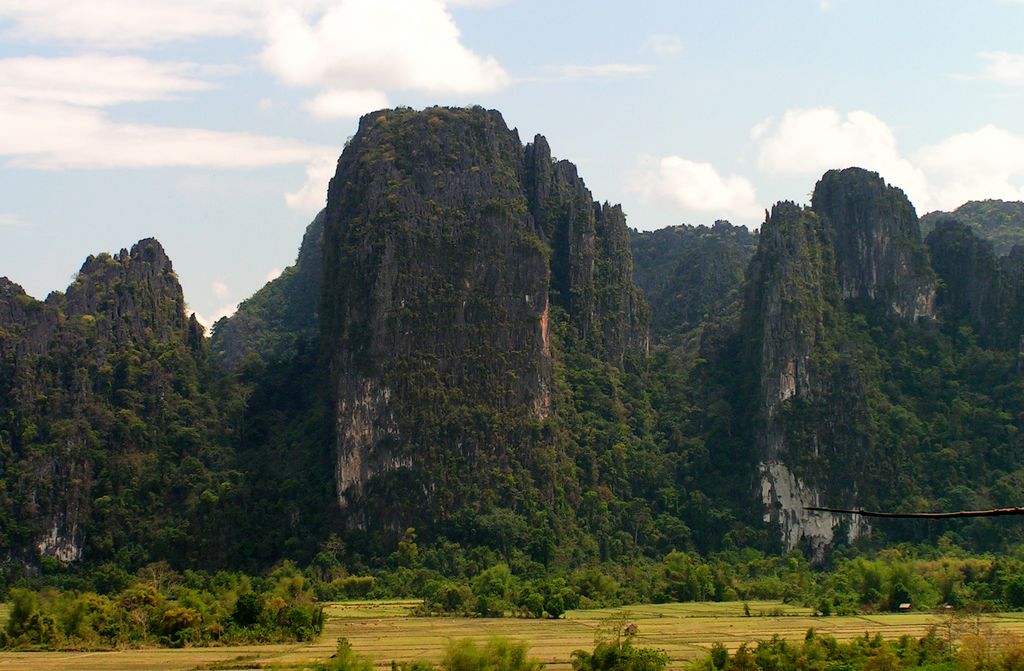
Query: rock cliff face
x,y
450,250
879,255
857,249
793,309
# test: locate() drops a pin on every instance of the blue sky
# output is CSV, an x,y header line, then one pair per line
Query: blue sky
x,y
214,125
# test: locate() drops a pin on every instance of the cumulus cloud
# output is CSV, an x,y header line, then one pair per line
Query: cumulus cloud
x,y
311,196
984,163
273,274
220,290
811,141
357,49
333,104
697,186
9,219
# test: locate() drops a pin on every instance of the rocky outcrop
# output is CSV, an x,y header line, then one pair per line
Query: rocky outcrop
x,y
856,250
877,240
590,249
281,317
85,376
448,249
792,309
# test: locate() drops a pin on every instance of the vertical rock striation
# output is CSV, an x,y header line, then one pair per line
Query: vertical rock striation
x,y
856,250
448,249
877,239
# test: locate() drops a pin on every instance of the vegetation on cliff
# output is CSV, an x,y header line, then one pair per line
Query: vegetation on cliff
x,y
462,348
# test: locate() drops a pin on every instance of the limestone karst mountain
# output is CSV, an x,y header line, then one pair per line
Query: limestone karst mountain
x,y
470,344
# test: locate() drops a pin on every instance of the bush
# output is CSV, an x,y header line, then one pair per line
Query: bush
x,y
498,654
619,655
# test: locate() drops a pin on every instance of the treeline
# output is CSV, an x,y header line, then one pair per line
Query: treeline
x,y
161,607
66,607
475,582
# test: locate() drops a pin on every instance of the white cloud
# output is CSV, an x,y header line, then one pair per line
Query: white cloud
x,y
986,163
475,4
273,274
362,46
265,104
600,71
811,141
665,45
51,116
347,48
1002,66
220,290
333,104
95,80
760,128
697,186
311,196
52,135
224,311
129,23
9,219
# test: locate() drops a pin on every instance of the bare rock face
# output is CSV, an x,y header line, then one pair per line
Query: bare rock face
x,y
877,239
792,310
447,248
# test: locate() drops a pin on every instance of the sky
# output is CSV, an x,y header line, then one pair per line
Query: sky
x,y
214,125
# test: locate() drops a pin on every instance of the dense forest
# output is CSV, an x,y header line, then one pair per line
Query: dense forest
x,y
474,364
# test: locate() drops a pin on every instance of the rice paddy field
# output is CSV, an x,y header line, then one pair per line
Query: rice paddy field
x,y
386,631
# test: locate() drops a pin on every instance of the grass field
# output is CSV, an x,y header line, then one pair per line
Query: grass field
x,y
385,631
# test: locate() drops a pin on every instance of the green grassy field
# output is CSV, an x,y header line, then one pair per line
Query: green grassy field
x,y
385,631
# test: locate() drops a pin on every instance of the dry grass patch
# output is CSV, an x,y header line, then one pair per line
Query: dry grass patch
x,y
384,631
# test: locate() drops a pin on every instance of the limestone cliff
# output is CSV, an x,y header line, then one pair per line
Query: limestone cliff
x,y
793,310
877,240
817,274
90,377
448,250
